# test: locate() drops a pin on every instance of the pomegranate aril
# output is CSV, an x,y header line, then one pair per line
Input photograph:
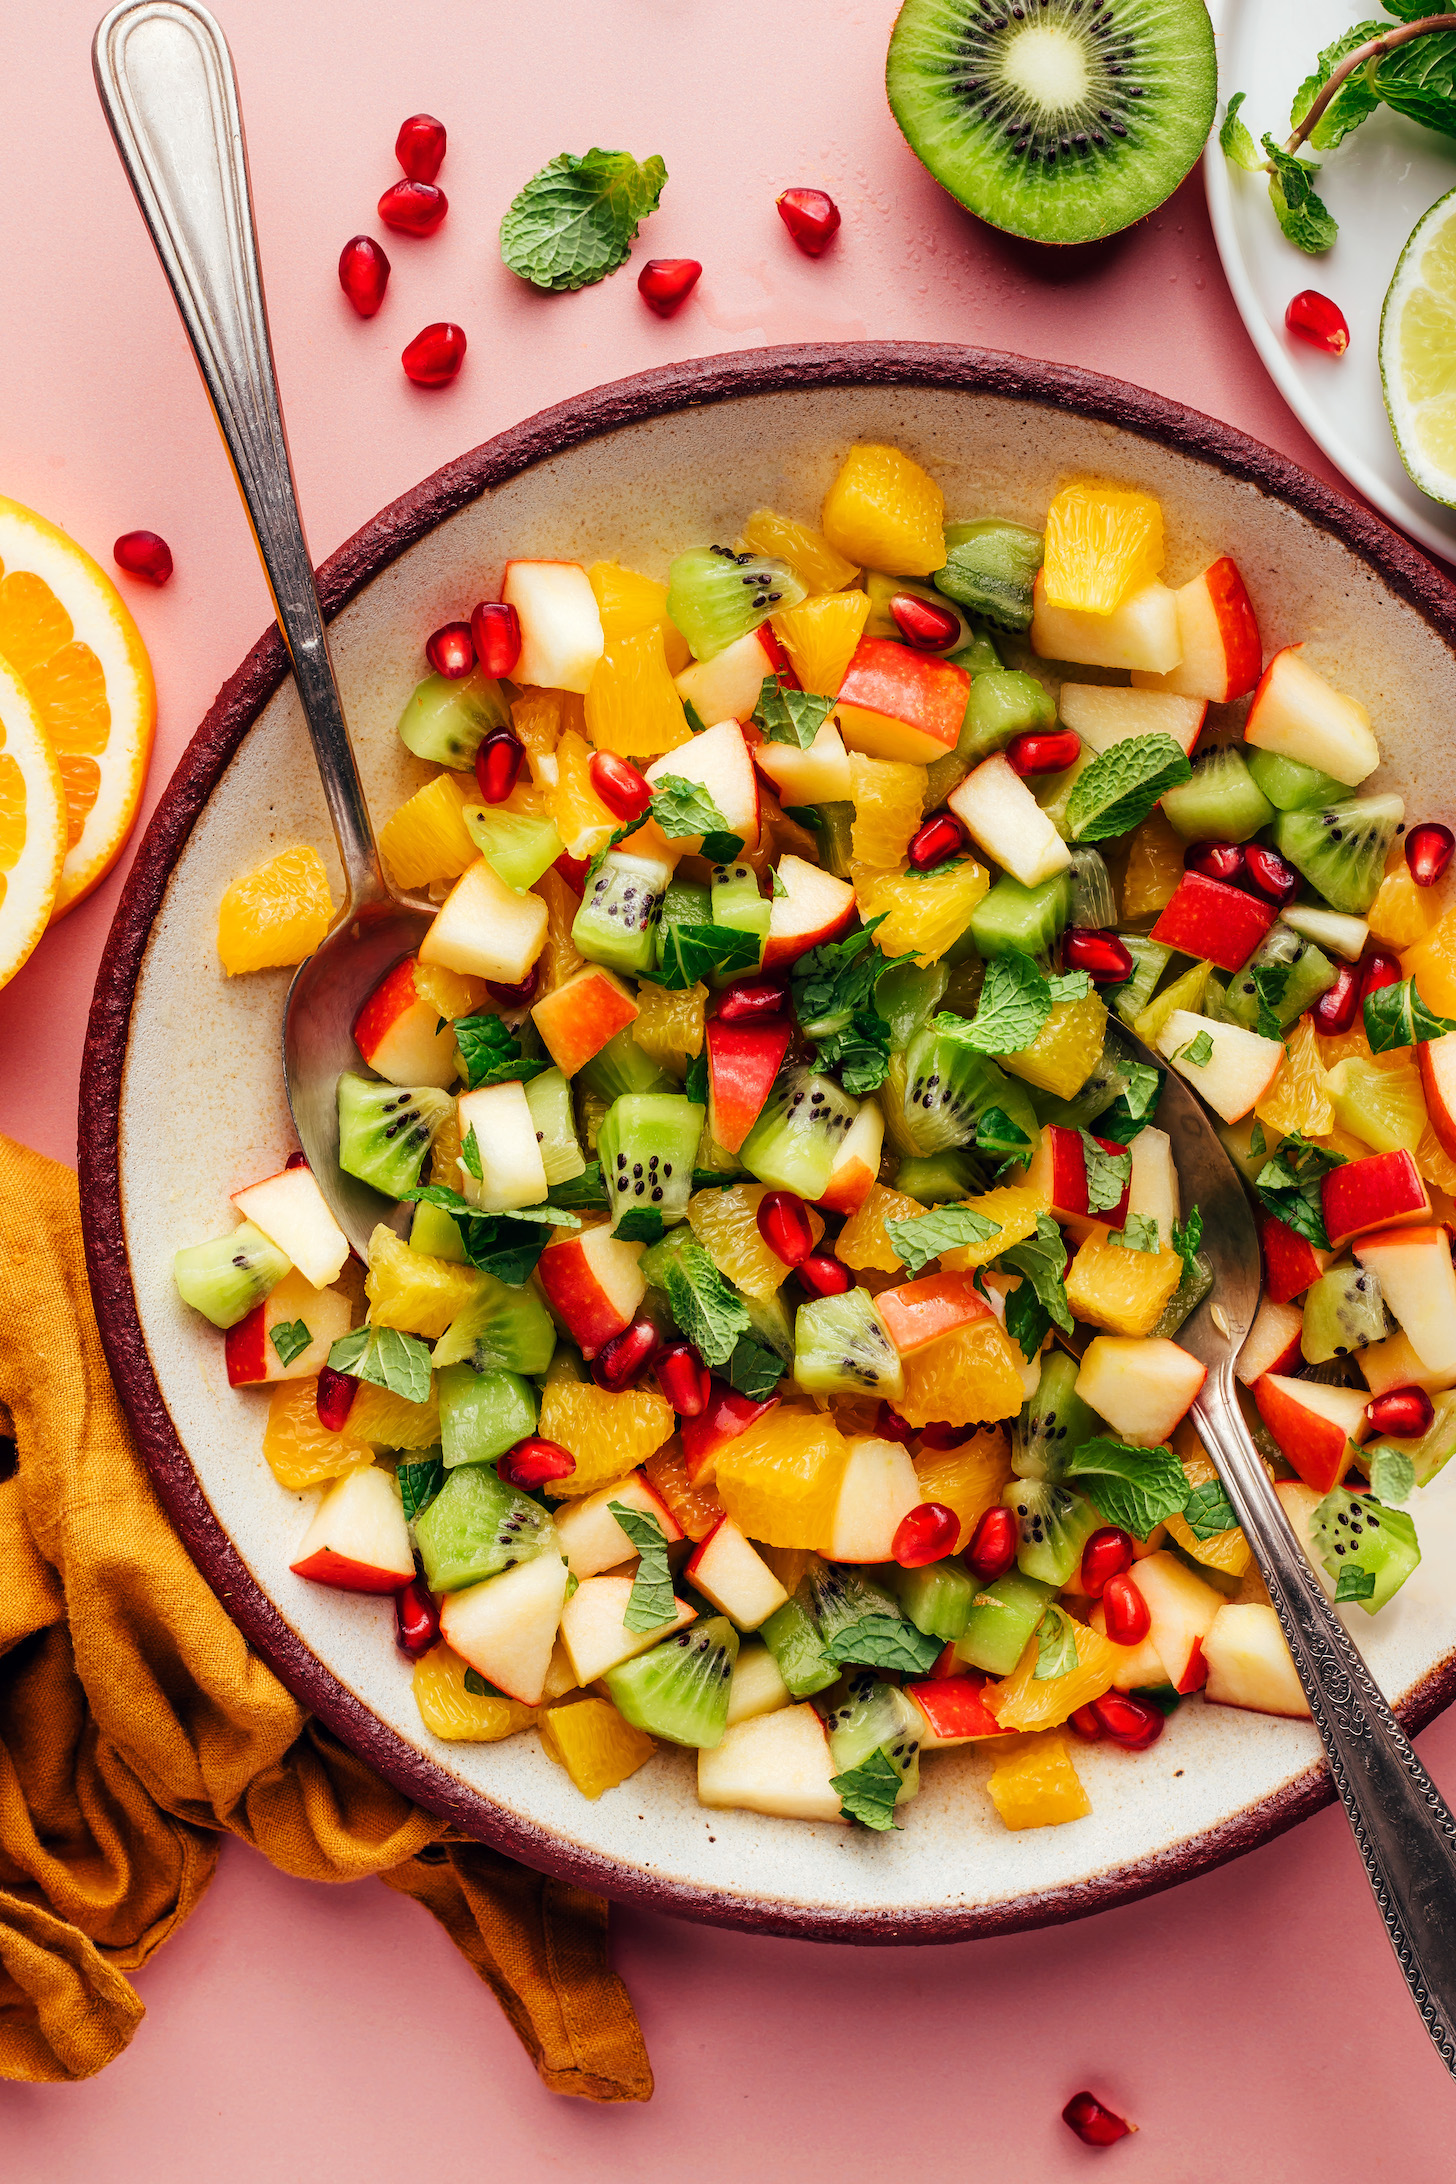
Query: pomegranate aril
x,y
940,1435
890,1426
1334,1011
664,283
684,1379
451,650
573,870
622,1361
783,1223
1313,318
993,1544
498,763
1376,971
811,217
296,1160
1128,1617
926,1534
363,274
753,1000
619,785
1405,1413
940,837
1107,1554
1035,753
435,355
1101,955
1216,861
1094,2122
420,147
516,997
1086,1724
533,1461
335,1398
1132,1722
496,628
413,208
1272,875
823,1276
416,1618
145,554
922,624
1428,850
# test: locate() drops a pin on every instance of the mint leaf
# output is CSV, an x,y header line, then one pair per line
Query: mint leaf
x,y
884,1641
1396,1016
709,1311
576,220
478,1688
753,1370
805,815
1258,1143
1419,79
1108,1174
1208,1511
684,807
1391,1473
388,1359
776,886
691,953
998,1137
1161,1695
506,1245
1354,1582
491,1055
1140,1234
1015,1003
1122,785
585,1192
1069,986
1132,1110
640,1225
1234,139
836,981
860,1054
924,1236
693,717
1134,1487
1305,218
1039,1302
790,716
420,1480
1199,1050
1056,1645
868,1792
1187,1236
290,1340
651,1603
1356,98
470,1154
1270,981
696,1086
1289,1187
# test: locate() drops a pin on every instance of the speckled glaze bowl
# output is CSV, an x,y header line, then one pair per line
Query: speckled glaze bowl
x,y
183,1092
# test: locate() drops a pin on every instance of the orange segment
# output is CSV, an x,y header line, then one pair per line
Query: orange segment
x,y
862,1240
924,912
696,1508
541,718
1027,1701
1014,1208
609,1435
1034,1784
1101,544
1125,1292
593,1743
889,800
1432,964
821,638
1401,913
632,706
558,960
300,1451
726,1225
669,1026
629,603
970,1378
276,916
808,553
968,1479
448,1710
779,1480
1154,868
885,512
32,826
1066,1050
1297,1099
427,838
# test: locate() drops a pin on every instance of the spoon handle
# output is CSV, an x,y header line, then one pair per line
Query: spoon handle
x,y
1405,1833
165,78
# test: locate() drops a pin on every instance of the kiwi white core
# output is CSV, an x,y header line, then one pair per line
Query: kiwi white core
x,y
1049,65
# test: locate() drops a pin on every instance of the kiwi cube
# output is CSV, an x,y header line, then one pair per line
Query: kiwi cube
x,y
436,1233
1289,784
907,997
792,1637
548,1096
990,569
1054,1421
1343,1311
446,722
836,836
385,1130
1000,1622
873,1716
1004,702
483,1414
1356,1532
227,1277
1055,1525
715,596
1221,802
841,1348
1341,849
623,1066
1025,919
617,922
478,1526
679,1690
797,1138
501,1329
738,903
937,1597
646,1146
941,1179
1310,973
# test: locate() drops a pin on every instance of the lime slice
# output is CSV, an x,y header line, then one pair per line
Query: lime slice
x,y
1418,352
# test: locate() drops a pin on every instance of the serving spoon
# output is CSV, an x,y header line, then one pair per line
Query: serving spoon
x,y
166,83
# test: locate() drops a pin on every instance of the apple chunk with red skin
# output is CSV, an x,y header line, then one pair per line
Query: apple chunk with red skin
x,y
591,1538
1058,1170
1219,634
593,1284
1249,1662
578,1019
1298,715
717,761
1291,1263
506,1626
1316,1427
743,1061
594,1630
895,703
1207,918
1418,1282
1384,1191
1437,1062
814,907
358,1540
728,1570
955,1711
1273,1342
252,1359
918,1313
729,686
293,1213
1183,1609
857,1163
399,1034
1142,1385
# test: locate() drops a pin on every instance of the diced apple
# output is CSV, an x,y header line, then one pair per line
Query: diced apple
x,y
293,1213
253,1359
1057,1171
358,1540
1384,1191
878,1490
399,1034
1239,1070
1249,1663
1108,713
1394,1364
1183,1609
1437,1059
1142,1385
1316,1427
718,761
776,1763
729,686
1140,632
857,1163
725,1415
561,625
1138,1667
814,907
819,775
1331,930
506,1627
593,1630
1299,1503
1152,1190
731,1573
757,1686
743,1061
486,929
1219,636
593,1283
1418,1282
512,1170
591,1538
1208,918
954,1711
920,1312
1003,818
577,1020
1299,715
1272,1344
895,703
1291,1262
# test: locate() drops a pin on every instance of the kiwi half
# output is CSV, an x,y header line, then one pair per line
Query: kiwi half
x,y
1060,120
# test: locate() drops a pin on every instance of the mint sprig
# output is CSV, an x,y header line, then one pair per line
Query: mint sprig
x,y
790,716
709,1311
419,1481
1396,1016
1140,1233
1137,1488
884,1641
290,1339
682,807
1123,784
506,1245
492,1054
1289,1186
1039,1301
651,1603
867,1792
1208,1512
924,1236
576,220
388,1359
1108,1174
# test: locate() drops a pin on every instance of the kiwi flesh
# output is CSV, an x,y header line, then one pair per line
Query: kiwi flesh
x,y
679,1690
1311,973
1003,1616
875,1717
715,596
1061,121
646,1147
937,1597
476,1527
385,1130
1354,1531
1289,784
447,721
1054,1421
1341,850
797,1138
1094,905
549,1098
792,1637
226,1277
501,1330
1343,1311
1003,703
941,1179
1220,802
990,568
1149,961
1194,1285
1054,1525
841,1348
1026,920
623,1066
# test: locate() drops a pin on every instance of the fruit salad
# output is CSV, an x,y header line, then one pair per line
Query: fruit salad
x,y
768,1345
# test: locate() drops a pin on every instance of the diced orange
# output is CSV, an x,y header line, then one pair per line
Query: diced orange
x,y
632,706
967,1379
1297,1099
1066,1050
889,802
427,839
725,1223
609,1435
779,1481
1402,914
592,1742
387,1421
275,916
448,1710
300,1451
412,1291
583,820
670,1026
1027,1701
925,912
1102,542
629,603
558,960
968,1479
1154,869
862,1240
541,718
1034,1784
1125,1292
1227,1551
695,1508
1014,1208
1435,1163
808,552
450,993
821,637
884,512
1432,964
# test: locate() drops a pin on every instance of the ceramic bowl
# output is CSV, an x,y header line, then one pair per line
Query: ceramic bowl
x,y
183,1092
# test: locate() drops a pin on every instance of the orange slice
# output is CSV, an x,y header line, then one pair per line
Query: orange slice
x,y
67,635
32,825
276,916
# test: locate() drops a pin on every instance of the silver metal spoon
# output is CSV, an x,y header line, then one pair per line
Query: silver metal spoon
x,y
166,82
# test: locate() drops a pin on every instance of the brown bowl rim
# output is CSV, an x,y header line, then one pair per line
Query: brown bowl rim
x,y
601,410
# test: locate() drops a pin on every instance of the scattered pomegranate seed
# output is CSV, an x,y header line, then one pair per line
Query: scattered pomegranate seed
x,y
516,997
1086,1724
1132,1722
1035,753
927,627
1128,1617
783,1223
684,1379
573,870
363,274
1334,1011
926,1534
940,837
664,283
823,1276
619,785
1094,2123
451,650
420,147
1107,1554
621,1362
1216,861
752,1000
498,763
811,217
435,355
1379,969
993,1544
496,628
1273,876
890,1426
416,1618
296,1160
1428,852
145,554
1405,1413
533,1461
413,208
939,1435
1313,318
1101,955
335,1398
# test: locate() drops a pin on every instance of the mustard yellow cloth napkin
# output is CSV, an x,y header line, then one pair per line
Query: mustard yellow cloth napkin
x,y
135,1725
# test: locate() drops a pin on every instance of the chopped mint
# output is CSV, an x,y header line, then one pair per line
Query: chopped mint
x,y
1056,1645
1069,986
388,1359
506,1245
651,1603
1258,1143
470,1154
1396,1016
478,1688
1162,1695
420,1480
998,1137
1123,784
1016,1001
834,998
1354,1582
1199,1051
1139,1234
576,220
684,807
805,815
780,892
696,1086
868,1792
1391,1473
753,1370
1270,981
693,717
924,1236
1137,1488
1289,1187
1132,1110
1187,1236
1039,1301
290,1340
790,716
585,1192
640,1225
491,1055
691,952
1208,1511
1108,1175
709,1311
1234,139
884,1641
1300,211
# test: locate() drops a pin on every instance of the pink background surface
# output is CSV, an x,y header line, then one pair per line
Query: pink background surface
x,y
1253,2023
